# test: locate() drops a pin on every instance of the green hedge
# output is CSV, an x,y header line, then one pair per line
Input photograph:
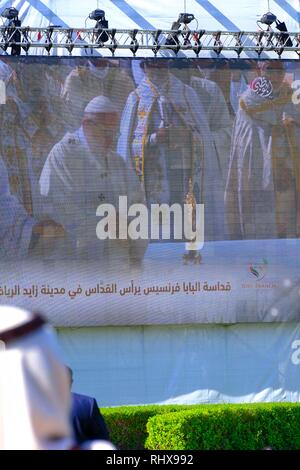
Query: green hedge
x,y
216,427
127,424
211,427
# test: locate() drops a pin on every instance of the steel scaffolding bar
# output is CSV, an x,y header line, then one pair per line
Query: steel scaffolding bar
x,y
112,40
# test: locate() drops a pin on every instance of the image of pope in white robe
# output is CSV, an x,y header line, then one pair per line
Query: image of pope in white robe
x,y
75,181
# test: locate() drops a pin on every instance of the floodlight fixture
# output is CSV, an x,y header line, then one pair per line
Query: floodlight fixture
x,y
10,13
12,35
268,18
97,15
101,23
185,18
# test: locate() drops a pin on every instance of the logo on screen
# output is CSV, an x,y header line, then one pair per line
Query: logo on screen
x,y
158,222
258,270
262,87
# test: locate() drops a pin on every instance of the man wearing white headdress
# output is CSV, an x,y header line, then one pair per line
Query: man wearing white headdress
x,y
82,171
34,387
35,396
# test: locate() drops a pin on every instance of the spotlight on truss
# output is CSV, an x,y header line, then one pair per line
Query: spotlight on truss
x,y
99,16
12,35
101,23
283,39
173,39
10,13
185,18
268,18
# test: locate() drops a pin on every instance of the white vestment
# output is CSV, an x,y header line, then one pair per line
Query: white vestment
x,y
74,182
219,120
253,193
203,166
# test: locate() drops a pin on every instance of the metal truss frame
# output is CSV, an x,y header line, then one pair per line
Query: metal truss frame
x,y
114,40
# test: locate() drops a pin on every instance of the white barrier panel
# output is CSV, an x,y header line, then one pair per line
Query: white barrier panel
x,y
185,364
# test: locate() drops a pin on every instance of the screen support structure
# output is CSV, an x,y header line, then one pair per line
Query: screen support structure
x,y
117,41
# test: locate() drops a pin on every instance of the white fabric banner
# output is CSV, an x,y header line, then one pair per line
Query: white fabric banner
x,y
185,364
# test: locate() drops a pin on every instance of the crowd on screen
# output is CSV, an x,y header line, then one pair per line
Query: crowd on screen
x,y
79,132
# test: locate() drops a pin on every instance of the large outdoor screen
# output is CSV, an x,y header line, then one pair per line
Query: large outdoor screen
x,y
150,191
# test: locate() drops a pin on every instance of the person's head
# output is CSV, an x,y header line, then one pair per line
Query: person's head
x,y
34,385
100,123
273,70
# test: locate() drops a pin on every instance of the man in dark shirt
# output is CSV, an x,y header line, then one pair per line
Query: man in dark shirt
x,y
87,421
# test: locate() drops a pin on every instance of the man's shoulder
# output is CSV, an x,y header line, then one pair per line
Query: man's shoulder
x,y
83,399
82,406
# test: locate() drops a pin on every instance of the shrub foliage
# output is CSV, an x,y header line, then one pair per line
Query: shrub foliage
x,y
205,427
